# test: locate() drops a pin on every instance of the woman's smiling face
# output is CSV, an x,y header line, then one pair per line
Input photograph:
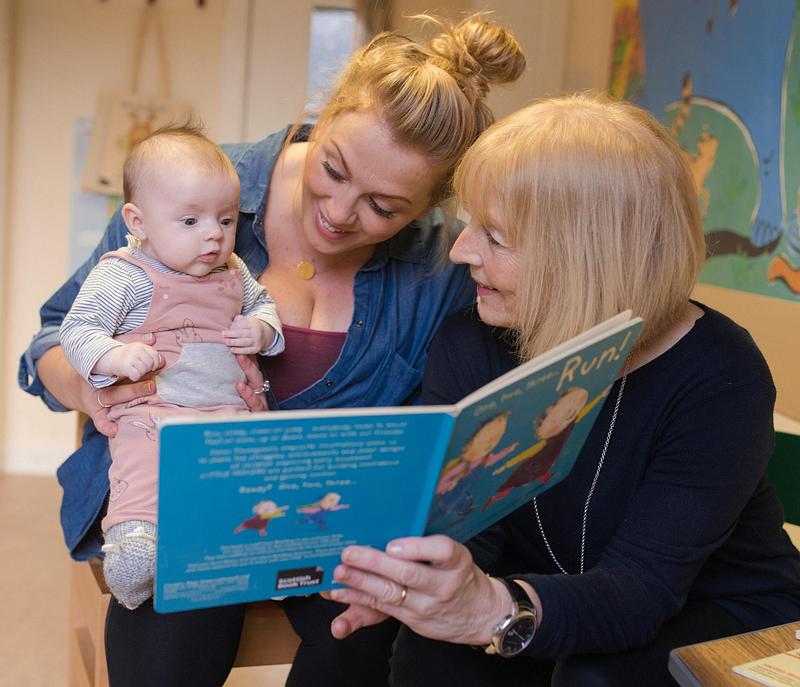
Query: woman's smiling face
x,y
360,187
494,265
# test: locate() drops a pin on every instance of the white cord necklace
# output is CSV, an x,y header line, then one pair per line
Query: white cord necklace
x,y
591,489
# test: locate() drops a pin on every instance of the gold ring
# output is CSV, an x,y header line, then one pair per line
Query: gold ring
x,y
403,594
102,405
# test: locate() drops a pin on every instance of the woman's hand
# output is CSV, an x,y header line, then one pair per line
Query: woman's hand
x,y
252,388
63,381
100,401
447,597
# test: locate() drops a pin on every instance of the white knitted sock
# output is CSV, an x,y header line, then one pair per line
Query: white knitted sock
x,y
129,565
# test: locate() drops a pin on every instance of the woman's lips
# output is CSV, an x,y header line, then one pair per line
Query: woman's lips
x,y
483,289
327,230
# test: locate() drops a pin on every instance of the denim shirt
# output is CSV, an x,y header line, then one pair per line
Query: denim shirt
x,y
401,295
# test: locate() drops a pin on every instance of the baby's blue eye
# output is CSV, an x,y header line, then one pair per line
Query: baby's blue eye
x,y
226,222
190,221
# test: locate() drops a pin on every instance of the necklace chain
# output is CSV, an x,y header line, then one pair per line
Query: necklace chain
x,y
591,488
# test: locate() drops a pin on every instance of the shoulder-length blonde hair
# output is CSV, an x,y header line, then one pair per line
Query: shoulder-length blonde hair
x,y
598,200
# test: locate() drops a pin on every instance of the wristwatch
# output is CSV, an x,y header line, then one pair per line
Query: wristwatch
x,y
514,633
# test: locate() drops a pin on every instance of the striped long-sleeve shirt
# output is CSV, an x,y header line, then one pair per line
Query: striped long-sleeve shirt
x,y
115,299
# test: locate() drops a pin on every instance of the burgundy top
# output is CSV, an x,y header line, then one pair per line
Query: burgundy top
x,y
309,354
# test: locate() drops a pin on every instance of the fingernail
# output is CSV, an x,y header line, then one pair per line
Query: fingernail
x,y
351,555
394,548
339,573
149,387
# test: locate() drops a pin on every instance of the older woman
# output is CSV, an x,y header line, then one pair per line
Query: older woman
x,y
666,531
340,223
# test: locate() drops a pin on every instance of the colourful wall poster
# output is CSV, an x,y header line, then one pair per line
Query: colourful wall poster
x,y
724,77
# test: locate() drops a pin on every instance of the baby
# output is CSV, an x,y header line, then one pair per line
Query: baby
x,y
176,304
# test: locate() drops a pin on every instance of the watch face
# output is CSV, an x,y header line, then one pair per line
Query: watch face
x,y
518,635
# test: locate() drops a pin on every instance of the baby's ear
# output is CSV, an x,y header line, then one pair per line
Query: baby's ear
x,y
132,216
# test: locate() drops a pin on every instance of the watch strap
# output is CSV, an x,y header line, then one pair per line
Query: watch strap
x,y
522,606
518,595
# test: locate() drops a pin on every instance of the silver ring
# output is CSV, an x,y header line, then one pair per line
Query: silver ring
x,y
102,405
402,599
264,388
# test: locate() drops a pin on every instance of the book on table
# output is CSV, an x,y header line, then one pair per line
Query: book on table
x,y
257,506
778,670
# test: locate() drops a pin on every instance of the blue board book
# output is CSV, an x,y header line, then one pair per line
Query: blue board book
x,y
259,506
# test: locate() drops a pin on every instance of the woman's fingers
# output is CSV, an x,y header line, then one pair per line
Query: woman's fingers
x,y
367,589
252,388
252,373
256,403
97,402
436,549
103,424
354,618
125,393
414,562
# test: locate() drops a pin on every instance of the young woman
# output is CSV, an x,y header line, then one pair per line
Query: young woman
x,y
666,532
339,224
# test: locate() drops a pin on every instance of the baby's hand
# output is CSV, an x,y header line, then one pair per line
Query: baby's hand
x,y
133,360
248,335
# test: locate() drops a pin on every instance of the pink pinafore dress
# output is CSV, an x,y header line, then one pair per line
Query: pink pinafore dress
x,y
187,315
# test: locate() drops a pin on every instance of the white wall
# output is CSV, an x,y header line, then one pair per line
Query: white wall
x,y
276,97
65,51
567,43
5,112
242,62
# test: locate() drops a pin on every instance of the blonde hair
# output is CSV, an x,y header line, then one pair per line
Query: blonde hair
x,y
180,144
430,96
599,203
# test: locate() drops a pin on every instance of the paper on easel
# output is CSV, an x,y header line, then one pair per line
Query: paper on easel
x,y
779,670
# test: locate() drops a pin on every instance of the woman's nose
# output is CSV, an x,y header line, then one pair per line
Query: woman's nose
x,y
465,248
341,209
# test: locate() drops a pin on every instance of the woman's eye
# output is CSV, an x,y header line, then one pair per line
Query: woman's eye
x,y
387,214
189,221
491,239
332,173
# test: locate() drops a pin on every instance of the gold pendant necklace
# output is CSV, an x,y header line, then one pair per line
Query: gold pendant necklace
x,y
305,270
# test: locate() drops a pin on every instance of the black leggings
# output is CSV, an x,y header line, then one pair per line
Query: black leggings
x,y
148,649
360,660
420,662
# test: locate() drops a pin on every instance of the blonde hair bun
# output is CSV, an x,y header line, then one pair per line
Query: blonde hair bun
x,y
477,53
430,96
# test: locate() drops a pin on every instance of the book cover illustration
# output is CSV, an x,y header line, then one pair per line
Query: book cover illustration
x,y
514,444
259,506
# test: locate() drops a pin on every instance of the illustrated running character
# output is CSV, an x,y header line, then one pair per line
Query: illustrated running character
x,y
553,429
264,512
454,491
315,513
